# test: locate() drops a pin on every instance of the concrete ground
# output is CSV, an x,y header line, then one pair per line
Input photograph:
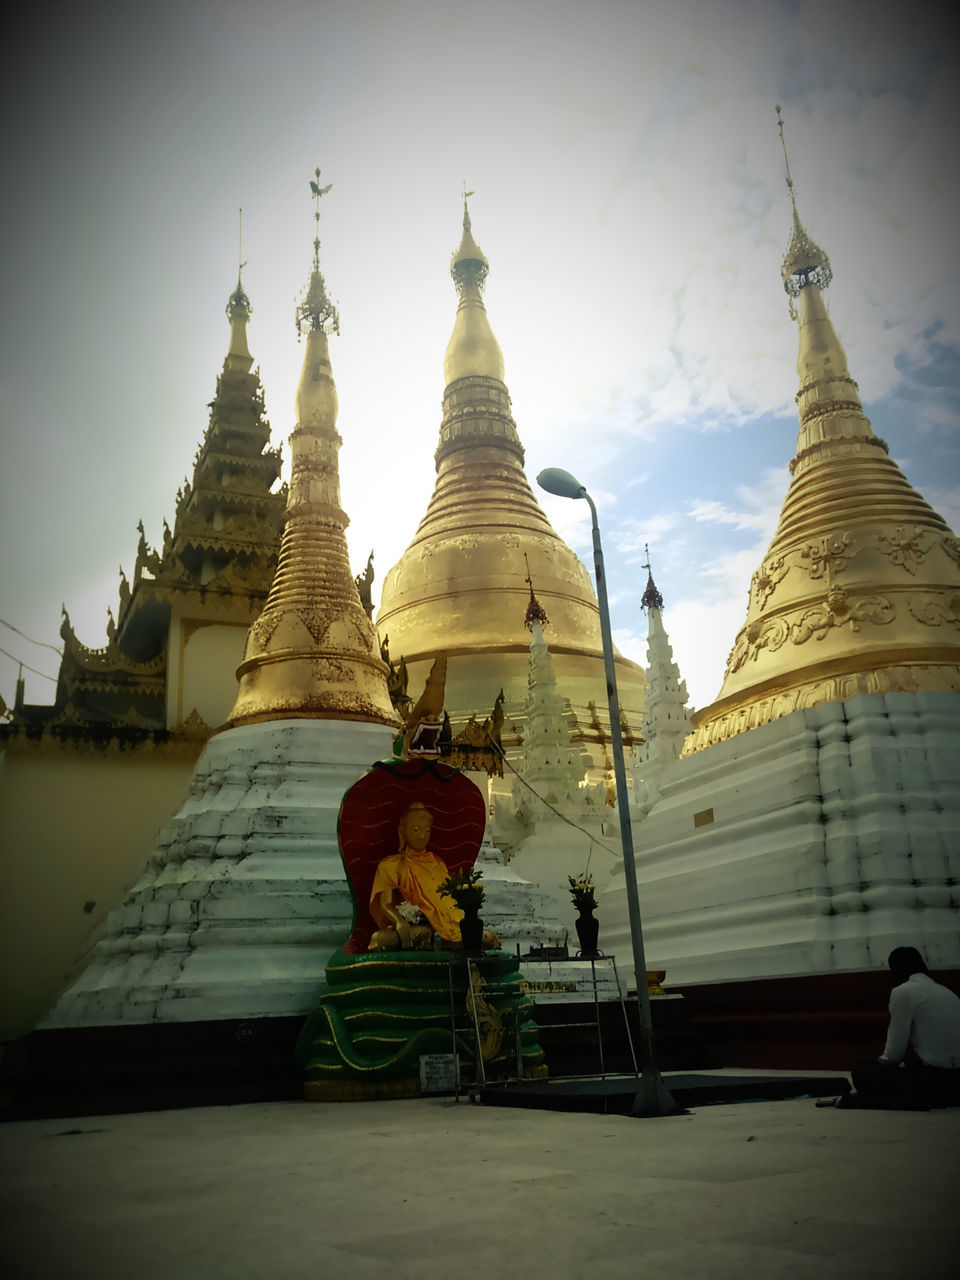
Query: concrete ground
x,y
433,1189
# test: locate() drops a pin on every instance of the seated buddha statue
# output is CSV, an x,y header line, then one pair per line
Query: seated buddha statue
x,y
412,876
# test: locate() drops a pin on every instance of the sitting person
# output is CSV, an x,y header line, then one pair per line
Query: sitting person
x,y
413,875
924,1035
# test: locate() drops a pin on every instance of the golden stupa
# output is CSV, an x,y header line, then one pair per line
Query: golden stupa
x,y
313,651
859,591
461,587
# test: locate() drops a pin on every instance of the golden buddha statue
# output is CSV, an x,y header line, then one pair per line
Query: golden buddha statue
x,y
407,884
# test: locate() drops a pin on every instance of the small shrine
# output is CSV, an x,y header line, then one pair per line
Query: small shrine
x,y
414,978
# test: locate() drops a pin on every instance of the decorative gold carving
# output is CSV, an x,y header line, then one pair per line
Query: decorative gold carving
x,y
821,407
194,727
901,678
837,611
904,548
764,581
771,635
828,555
487,1020
364,583
935,610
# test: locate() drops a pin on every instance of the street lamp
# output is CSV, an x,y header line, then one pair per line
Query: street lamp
x,y
653,1097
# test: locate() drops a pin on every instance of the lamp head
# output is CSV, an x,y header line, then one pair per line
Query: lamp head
x,y
561,483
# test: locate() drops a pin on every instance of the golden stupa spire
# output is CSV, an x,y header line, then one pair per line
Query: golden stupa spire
x,y
859,591
238,313
472,348
313,651
464,582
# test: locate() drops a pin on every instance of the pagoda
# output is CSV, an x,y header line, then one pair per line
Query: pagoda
x,y
813,822
561,826
462,580
244,898
666,722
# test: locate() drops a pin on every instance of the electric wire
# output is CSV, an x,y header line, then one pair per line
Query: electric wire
x,y
26,666
43,644
569,821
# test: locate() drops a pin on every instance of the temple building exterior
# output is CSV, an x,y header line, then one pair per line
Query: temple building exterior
x,y
813,822
462,582
180,626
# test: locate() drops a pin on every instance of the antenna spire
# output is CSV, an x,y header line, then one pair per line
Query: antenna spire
x,y
535,610
316,311
240,262
804,262
651,598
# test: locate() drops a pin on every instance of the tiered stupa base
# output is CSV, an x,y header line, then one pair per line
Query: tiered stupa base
x,y
779,869
245,899
812,845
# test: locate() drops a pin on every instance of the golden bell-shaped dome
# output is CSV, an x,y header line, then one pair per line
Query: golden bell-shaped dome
x,y
461,586
859,591
313,652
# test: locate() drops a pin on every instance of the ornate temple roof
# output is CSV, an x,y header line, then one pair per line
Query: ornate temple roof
x,y
313,652
859,591
216,562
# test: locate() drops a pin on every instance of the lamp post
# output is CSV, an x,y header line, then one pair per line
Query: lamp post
x,y
653,1097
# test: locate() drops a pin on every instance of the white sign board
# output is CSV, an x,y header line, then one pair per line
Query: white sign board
x,y
439,1072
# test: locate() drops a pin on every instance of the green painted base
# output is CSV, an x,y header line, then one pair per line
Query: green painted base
x,y
384,1009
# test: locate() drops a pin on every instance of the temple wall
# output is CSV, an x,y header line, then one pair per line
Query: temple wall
x,y
76,828
202,661
822,841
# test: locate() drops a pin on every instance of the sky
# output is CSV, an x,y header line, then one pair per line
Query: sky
x,y
629,195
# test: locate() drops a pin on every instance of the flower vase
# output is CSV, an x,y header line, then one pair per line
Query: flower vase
x,y
471,931
588,930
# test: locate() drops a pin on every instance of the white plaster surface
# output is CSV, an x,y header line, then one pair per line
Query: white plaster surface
x,y
245,898
301,1191
555,850
516,908
835,837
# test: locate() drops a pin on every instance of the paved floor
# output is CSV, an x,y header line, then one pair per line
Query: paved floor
x,y
439,1190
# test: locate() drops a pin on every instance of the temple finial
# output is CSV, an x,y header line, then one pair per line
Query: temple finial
x,y
804,262
240,262
238,302
535,610
651,598
316,312
468,266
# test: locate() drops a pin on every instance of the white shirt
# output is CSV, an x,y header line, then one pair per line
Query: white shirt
x,y
926,1015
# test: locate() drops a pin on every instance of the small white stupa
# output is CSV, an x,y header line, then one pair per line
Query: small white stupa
x,y
566,828
665,719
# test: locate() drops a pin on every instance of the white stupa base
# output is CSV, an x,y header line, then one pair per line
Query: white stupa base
x,y
245,898
834,837
554,851
516,909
